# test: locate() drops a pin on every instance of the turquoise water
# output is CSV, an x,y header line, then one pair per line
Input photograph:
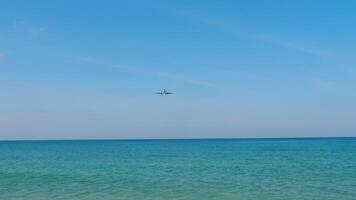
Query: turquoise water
x,y
264,169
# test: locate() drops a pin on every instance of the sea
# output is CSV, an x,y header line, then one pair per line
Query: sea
x,y
206,169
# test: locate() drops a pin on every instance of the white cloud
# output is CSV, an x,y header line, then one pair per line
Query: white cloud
x,y
33,30
151,72
18,23
36,30
298,46
245,30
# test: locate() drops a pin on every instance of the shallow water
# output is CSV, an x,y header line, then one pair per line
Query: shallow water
x,y
256,169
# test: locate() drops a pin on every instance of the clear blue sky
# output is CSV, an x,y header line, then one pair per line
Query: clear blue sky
x,y
239,68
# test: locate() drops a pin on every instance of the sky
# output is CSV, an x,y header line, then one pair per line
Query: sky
x,y
238,68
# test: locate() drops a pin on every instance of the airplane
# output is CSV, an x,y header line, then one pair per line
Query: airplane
x,y
164,92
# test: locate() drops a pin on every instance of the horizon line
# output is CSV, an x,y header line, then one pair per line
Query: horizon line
x,y
171,139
